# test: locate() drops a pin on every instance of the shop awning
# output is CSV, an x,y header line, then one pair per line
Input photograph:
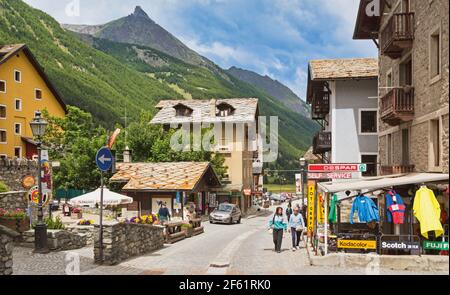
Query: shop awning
x,y
375,183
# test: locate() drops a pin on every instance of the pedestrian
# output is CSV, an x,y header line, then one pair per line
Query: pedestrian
x,y
164,214
289,211
296,227
278,224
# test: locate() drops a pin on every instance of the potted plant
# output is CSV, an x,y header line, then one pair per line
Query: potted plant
x,y
188,229
84,222
16,220
78,213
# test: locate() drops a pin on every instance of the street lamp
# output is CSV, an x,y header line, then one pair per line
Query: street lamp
x,y
38,126
304,175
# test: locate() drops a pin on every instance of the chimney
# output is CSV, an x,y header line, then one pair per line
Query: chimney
x,y
127,155
213,109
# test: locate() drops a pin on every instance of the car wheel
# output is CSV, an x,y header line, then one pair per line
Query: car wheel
x,y
231,220
212,222
239,220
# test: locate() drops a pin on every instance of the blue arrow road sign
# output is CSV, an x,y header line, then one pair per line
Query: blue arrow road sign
x,y
104,159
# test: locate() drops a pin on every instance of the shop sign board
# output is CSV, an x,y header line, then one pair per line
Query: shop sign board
x,y
298,184
332,175
400,245
357,244
324,168
432,245
311,207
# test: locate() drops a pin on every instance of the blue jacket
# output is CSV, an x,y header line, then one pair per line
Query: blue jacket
x,y
390,200
366,208
295,221
278,222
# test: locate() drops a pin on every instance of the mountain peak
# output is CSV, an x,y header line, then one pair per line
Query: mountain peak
x,y
139,12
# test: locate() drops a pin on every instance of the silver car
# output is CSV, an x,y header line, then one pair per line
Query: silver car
x,y
226,213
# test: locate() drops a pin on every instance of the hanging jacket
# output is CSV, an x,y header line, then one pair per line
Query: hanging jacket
x,y
392,198
332,217
398,213
366,208
428,212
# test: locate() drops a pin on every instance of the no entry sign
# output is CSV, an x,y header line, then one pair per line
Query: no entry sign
x,y
337,168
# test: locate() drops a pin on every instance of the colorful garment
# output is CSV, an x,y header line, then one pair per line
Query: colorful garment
x,y
366,208
333,214
398,213
278,222
392,198
428,212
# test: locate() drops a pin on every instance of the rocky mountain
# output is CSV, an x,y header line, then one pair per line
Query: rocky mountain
x,y
103,77
138,28
272,87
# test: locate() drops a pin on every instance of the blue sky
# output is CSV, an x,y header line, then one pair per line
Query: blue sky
x,y
271,37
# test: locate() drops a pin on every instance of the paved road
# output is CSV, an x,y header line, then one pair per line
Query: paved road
x,y
240,249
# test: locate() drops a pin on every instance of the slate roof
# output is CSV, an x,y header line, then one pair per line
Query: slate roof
x,y
174,176
245,111
338,69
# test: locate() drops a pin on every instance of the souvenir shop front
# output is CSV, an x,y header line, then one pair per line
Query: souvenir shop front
x,y
398,215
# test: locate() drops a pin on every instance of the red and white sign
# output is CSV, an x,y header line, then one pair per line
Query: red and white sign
x,y
331,175
337,168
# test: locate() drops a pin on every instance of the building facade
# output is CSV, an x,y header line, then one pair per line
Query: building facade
x,y
343,98
236,137
412,37
24,89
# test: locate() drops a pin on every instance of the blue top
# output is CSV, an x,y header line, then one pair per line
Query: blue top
x,y
296,220
278,222
366,208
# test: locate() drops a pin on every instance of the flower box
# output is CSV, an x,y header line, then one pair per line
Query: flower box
x,y
19,225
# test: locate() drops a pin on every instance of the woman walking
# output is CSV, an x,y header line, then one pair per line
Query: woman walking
x,y
296,227
278,224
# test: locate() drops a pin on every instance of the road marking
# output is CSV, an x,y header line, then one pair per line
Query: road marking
x,y
222,262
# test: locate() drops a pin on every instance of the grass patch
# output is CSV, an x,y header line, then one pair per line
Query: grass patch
x,y
276,188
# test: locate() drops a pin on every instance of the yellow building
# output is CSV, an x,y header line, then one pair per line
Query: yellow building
x,y
24,89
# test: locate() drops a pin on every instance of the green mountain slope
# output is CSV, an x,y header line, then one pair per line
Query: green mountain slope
x,y
104,77
86,78
199,82
272,87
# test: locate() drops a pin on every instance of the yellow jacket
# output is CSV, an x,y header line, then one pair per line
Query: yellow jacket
x,y
428,211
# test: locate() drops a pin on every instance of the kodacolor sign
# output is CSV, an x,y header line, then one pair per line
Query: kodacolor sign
x,y
357,244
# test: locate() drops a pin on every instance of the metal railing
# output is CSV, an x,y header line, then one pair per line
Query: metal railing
x,y
400,28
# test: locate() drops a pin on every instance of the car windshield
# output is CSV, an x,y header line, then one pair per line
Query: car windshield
x,y
225,208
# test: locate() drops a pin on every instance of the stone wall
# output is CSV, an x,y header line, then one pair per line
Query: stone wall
x,y
12,172
122,241
87,230
6,248
58,240
431,96
13,200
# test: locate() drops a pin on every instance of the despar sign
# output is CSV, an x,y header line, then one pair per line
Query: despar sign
x,y
357,244
400,245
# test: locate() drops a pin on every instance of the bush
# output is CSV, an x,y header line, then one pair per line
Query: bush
x,y
52,223
3,188
186,226
17,214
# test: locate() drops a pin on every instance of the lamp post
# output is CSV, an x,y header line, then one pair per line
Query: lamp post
x,y
38,126
303,180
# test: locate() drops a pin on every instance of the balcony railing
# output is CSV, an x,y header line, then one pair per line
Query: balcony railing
x,y
398,169
398,34
397,106
322,143
320,106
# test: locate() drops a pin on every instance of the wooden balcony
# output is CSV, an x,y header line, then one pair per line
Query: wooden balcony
x,y
397,106
398,35
322,143
398,169
320,105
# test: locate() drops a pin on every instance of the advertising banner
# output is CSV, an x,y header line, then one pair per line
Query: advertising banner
x,y
311,207
357,244
400,245
439,246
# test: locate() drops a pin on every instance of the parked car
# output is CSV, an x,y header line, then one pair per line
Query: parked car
x,y
226,213
278,198
54,205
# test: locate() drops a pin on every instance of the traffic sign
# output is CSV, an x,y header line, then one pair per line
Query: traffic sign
x,y
104,159
337,168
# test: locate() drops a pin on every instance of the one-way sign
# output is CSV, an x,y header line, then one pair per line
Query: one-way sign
x,y
104,159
